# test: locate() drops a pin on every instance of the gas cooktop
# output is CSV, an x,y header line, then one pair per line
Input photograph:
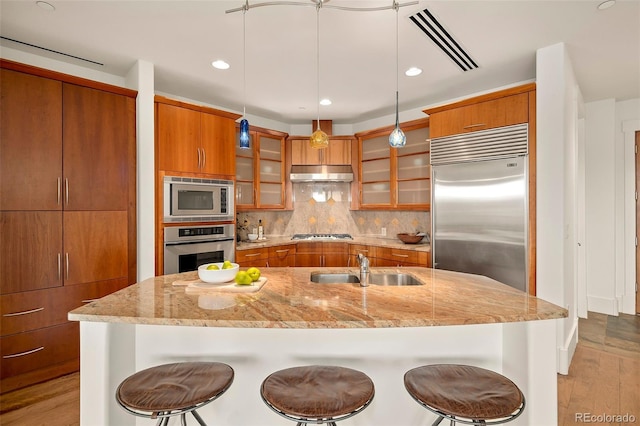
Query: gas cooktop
x,y
322,237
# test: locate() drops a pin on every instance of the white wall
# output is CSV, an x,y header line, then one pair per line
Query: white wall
x,y
557,135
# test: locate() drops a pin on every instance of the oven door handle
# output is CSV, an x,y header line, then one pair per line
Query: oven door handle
x,y
182,243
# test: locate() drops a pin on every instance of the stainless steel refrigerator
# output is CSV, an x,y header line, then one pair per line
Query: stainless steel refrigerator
x,y
480,204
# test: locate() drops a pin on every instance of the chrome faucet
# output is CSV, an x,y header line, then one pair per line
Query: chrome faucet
x,y
364,270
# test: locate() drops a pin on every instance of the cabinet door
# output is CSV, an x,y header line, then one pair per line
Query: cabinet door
x,y
338,152
309,254
335,254
97,128
271,169
218,145
177,138
30,250
413,171
95,246
303,154
31,142
485,115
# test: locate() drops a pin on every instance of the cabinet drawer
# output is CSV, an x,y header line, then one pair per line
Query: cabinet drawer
x,y
24,352
31,310
399,255
252,257
282,255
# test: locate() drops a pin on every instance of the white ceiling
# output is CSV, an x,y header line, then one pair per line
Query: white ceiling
x,y
357,50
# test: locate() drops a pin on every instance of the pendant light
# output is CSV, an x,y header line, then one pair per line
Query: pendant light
x,y
318,139
244,123
397,139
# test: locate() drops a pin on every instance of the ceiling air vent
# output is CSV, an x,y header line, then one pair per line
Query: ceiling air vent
x,y
441,37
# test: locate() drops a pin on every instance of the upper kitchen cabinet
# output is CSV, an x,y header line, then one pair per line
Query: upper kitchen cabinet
x,y
260,177
31,142
193,139
337,153
497,109
394,178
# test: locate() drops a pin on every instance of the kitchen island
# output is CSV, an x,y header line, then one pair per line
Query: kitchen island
x,y
380,330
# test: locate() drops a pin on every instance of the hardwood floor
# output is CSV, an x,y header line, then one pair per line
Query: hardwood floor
x,y
604,379
604,376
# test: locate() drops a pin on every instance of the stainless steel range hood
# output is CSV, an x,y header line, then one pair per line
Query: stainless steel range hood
x,y
321,173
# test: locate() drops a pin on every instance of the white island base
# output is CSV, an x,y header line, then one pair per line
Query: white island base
x,y
525,352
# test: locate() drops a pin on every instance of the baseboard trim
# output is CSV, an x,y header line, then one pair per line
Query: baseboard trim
x,y
602,305
566,351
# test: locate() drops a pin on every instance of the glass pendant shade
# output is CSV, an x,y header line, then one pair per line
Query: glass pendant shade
x,y
319,139
244,134
397,139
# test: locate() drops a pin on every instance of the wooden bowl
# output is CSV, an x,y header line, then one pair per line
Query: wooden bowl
x,y
410,238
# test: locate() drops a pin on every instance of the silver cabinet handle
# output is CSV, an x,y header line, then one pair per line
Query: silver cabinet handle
x,y
23,353
252,254
66,255
59,265
204,158
282,251
59,189
198,151
400,255
89,300
267,264
30,311
470,126
66,190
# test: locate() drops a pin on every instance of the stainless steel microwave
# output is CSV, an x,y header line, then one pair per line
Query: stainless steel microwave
x,y
197,200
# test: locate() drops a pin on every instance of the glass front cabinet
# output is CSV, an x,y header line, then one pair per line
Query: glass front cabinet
x,y
398,178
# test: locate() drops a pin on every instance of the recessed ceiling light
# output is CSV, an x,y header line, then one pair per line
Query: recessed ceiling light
x,y
220,64
325,102
606,4
413,71
46,6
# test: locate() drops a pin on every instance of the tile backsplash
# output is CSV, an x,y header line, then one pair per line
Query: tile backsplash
x,y
324,208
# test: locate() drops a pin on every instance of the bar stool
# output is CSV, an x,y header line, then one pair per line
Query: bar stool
x,y
174,389
465,394
317,394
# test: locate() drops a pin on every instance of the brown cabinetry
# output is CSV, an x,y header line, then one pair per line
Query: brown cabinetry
x,y
337,153
386,256
394,178
258,257
67,215
260,169
284,255
322,254
504,111
194,139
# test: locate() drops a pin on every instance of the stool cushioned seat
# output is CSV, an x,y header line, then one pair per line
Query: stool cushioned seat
x,y
464,391
321,392
174,386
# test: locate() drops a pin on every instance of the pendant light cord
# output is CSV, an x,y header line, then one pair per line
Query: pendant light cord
x,y
319,5
396,7
244,59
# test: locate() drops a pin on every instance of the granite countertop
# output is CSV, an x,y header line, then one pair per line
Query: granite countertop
x,y
365,240
289,300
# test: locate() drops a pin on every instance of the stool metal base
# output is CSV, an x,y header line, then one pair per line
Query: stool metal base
x,y
329,421
163,416
476,422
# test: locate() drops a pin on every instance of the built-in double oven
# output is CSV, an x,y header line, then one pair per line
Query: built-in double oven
x,y
189,200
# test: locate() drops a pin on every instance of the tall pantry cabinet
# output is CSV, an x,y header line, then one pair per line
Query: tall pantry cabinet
x,y
67,213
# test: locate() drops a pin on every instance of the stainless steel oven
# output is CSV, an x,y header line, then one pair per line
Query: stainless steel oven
x,y
187,247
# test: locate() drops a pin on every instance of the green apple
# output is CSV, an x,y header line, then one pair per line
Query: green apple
x,y
213,266
254,273
242,278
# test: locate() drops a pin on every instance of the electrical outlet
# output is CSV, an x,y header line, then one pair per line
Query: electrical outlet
x,y
383,231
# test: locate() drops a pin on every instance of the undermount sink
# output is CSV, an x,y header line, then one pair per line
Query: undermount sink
x,y
325,278
388,279
393,279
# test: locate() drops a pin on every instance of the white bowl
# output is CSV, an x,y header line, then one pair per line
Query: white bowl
x,y
217,275
252,237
